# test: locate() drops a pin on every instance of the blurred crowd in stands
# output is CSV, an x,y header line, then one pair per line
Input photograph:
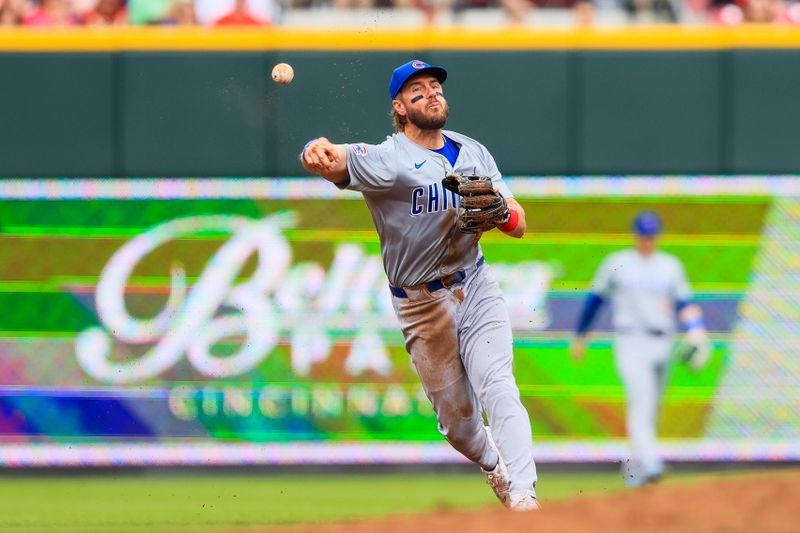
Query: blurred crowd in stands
x,y
273,12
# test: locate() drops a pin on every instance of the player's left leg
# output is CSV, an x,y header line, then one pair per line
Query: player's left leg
x,y
487,351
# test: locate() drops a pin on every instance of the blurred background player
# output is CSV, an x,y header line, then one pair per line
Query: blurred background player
x,y
650,298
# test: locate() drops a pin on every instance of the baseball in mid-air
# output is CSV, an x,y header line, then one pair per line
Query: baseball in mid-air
x,y
282,73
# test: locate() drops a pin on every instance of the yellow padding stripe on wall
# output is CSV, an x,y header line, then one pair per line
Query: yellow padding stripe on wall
x,y
457,38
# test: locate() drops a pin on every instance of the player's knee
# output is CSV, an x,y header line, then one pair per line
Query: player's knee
x,y
459,423
463,434
456,415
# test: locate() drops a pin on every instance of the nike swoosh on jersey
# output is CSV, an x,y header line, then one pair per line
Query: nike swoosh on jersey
x,y
419,165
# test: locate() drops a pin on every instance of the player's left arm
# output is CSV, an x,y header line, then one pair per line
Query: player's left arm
x,y
516,226
690,316
697,349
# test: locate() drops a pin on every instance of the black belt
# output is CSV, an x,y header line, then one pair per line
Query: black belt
x,y
436,284
649,331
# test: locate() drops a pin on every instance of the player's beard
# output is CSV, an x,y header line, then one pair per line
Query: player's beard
x,y
429,122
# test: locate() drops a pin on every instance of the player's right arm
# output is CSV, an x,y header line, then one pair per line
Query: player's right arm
x,y
591,306
320,156
601,286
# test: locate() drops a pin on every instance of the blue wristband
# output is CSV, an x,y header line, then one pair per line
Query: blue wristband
x,y
694,324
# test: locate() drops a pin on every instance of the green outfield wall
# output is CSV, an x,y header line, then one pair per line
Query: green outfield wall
x,y
195,104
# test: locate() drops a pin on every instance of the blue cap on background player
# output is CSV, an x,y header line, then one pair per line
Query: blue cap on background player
x,y
647,224
405,71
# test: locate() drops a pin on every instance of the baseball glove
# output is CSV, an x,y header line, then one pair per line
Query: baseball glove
x,y
482,208
694,352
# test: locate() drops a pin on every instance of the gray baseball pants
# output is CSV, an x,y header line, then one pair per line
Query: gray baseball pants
x,y
460,343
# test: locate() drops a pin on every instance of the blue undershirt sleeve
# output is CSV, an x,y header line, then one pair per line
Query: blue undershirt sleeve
x,y
590,308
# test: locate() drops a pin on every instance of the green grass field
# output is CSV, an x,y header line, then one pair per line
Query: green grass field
x,y
213,503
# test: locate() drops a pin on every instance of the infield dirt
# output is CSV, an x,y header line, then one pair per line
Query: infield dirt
x,y
755,503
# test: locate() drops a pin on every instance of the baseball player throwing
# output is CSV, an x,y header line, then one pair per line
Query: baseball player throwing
x,y
429,215
648,291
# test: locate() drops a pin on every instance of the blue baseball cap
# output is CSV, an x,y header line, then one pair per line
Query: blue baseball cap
x,y
406,70
647,224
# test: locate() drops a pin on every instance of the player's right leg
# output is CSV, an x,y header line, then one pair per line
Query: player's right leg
x,y
428,325
638,357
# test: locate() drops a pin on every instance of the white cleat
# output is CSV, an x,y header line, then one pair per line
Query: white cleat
x,y
524,501
497,478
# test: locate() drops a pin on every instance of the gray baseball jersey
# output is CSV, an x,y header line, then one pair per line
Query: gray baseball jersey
x,y
643,290
414,215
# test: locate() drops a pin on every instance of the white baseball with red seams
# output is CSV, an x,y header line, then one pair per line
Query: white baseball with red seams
x,y
282,73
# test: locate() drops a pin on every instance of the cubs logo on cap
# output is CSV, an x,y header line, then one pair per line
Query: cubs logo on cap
x,y
403,72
